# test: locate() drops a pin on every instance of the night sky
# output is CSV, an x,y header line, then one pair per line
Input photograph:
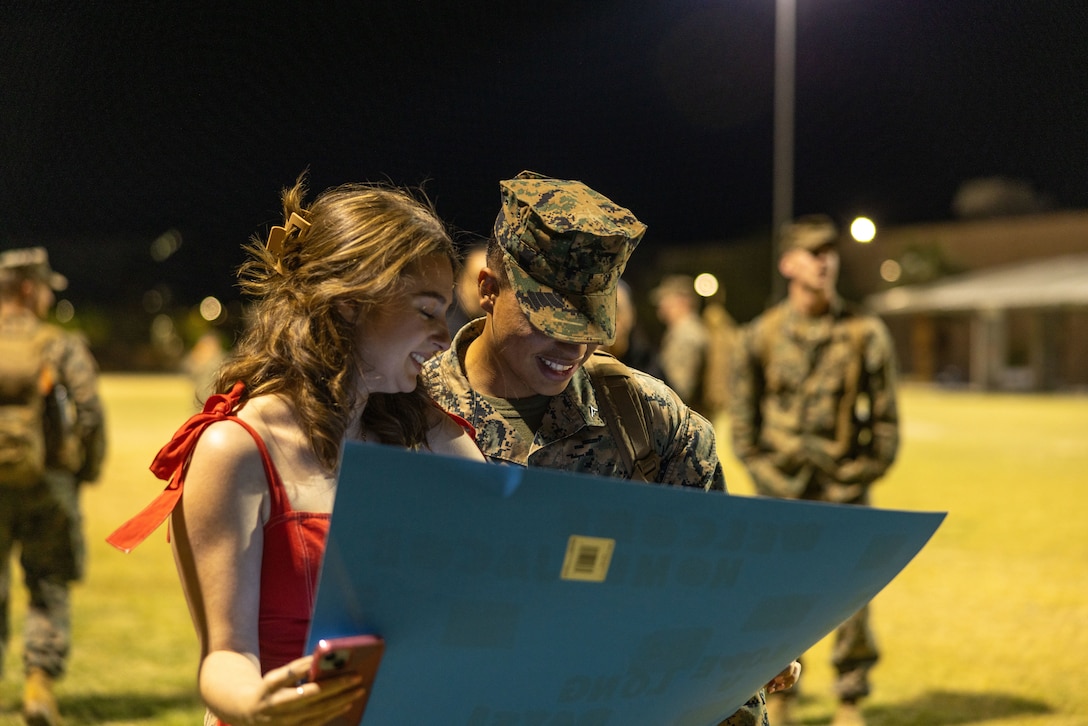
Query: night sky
x,y
122,121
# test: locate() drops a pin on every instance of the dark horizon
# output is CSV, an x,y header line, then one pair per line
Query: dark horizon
x,y
123,123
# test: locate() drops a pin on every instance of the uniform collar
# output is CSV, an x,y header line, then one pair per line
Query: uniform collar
x,y
577,402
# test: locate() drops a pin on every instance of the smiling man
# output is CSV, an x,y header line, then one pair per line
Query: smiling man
x,y
528,375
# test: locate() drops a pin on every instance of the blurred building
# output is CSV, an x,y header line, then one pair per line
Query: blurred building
x,y
997,304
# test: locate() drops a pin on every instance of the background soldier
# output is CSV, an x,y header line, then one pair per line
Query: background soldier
x,y
466,304
814,413
528,376
52,438
682,352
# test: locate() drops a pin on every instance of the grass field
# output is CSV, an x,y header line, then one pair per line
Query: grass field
x,y
988,625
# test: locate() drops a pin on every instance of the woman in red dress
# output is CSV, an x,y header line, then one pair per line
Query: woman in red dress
x,y
349,299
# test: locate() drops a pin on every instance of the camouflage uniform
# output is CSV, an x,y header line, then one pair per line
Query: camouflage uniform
x,y
564,248
814,417
45,519
573,436
682,353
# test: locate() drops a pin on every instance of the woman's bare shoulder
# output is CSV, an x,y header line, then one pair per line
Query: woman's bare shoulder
x,y
226,441
226,460
448,436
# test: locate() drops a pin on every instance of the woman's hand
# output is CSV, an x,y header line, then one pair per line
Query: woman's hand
x,y
294,701
786,679
286,699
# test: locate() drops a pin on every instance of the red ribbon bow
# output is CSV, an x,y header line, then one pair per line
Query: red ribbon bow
x,y
170,464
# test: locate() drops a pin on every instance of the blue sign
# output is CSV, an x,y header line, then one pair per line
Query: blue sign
x,y
510,596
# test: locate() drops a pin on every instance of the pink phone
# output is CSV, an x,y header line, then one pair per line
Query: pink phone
x,y
359,654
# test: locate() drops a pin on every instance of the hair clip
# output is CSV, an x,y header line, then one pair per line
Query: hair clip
x,y
278,234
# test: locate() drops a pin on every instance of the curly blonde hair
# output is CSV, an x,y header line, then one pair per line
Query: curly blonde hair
x,y
363,239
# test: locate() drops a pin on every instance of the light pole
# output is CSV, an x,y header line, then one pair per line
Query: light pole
x,y
785,43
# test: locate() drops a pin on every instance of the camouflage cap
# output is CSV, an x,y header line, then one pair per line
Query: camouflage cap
x,y
809,232
565,247
30,263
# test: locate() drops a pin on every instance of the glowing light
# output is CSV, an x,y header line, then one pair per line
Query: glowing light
x,y
164,336
863,230
890,270
162,327
210,308
706,284
65,311
165,245
153,301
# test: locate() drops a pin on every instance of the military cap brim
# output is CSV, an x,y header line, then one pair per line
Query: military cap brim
x,y
565,247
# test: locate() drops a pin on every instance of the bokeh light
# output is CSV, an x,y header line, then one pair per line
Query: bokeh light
x,y
890,271
164,336
211,309
153,301
165,245
64,311
706,284
863,230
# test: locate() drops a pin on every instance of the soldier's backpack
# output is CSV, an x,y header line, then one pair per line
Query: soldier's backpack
x,y
26,380
627,413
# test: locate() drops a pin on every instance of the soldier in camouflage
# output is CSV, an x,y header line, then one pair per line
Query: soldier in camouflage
x,y
519,374
684,342
814,413
45,519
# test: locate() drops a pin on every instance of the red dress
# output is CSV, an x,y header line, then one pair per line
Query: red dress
x,y
294,542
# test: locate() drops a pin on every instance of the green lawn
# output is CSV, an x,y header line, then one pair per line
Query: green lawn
x,y
987,626
134,655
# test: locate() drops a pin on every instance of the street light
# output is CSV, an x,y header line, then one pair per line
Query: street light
x,y
785,43
863,230
706,284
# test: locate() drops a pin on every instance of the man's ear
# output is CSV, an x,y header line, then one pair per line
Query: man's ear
x,y
786,264
488,285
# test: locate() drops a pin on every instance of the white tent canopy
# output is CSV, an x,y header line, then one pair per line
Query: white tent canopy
x,y
1052,282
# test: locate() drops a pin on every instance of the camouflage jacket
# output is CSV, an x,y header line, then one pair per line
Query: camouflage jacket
x,y
573,436
813,403
682,355
77,372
